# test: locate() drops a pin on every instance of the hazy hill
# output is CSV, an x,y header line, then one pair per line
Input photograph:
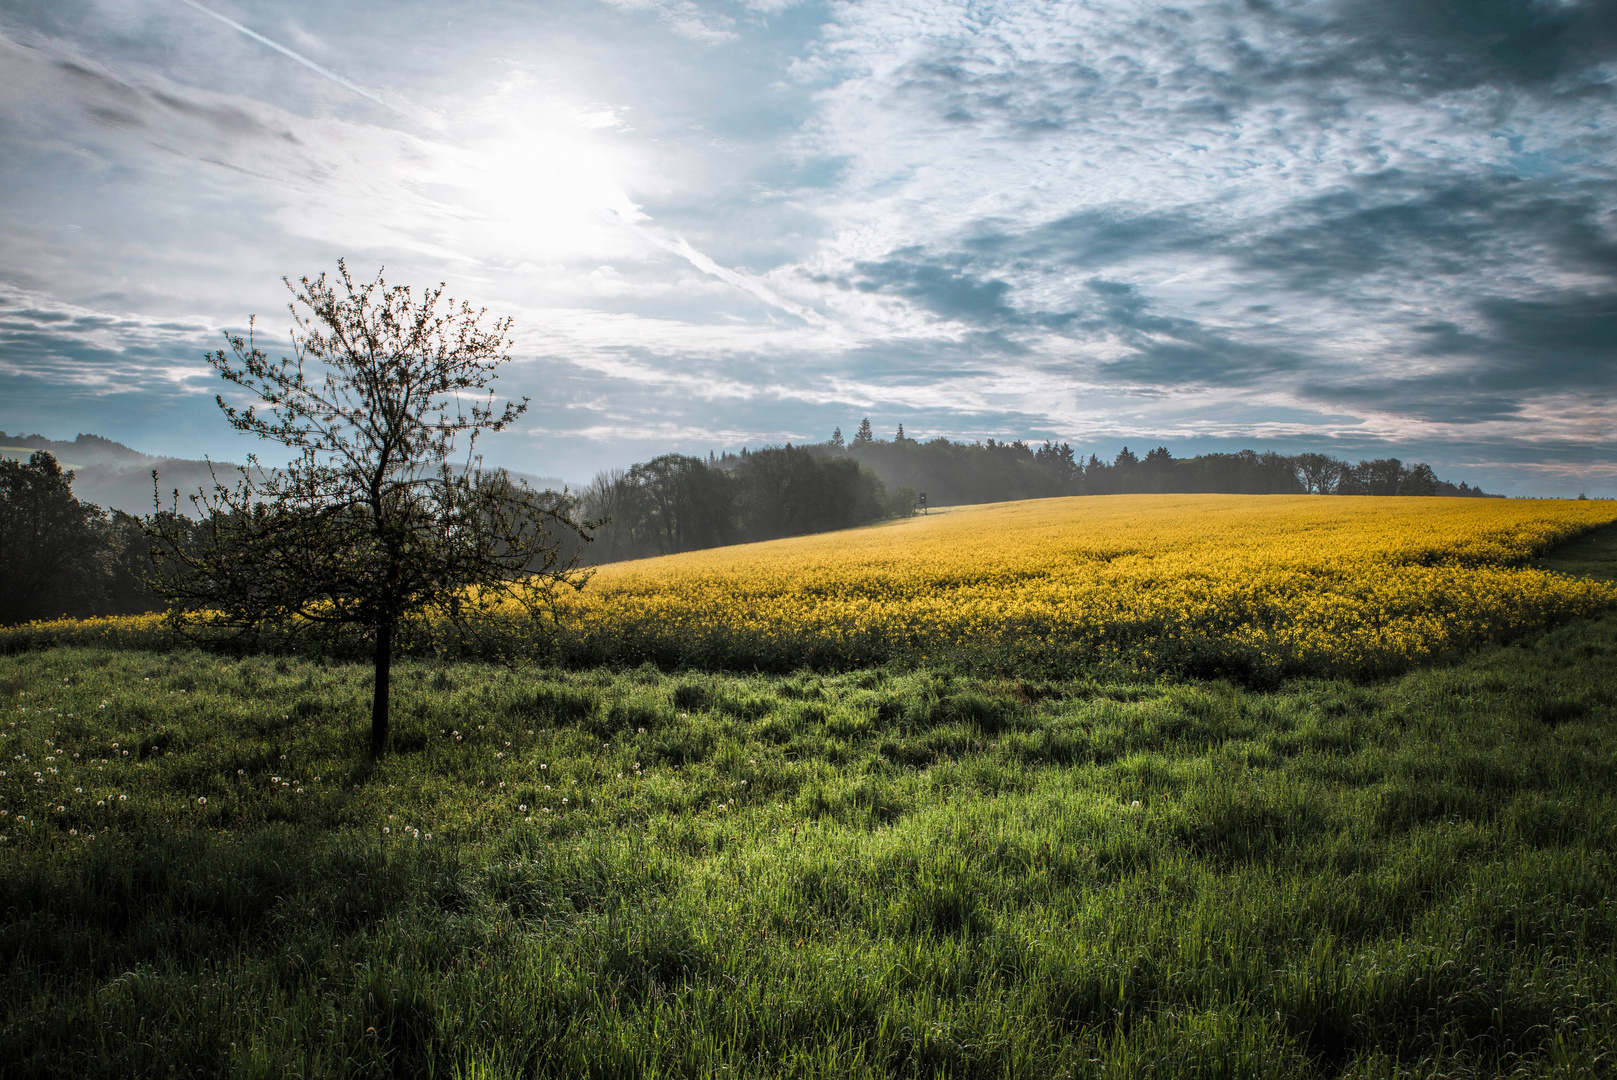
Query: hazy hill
x,y
112,475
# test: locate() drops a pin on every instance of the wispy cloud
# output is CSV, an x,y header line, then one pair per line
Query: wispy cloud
x,y
1373,226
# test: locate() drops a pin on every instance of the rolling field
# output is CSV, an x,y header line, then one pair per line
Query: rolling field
x,y
1252,587
906,870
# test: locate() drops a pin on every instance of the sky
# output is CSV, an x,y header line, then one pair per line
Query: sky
x,y
1371,228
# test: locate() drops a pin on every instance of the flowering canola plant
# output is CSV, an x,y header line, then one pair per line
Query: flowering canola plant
x,y
1308,583
1198,583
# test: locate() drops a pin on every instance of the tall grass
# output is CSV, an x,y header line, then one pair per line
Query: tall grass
x,y
874,873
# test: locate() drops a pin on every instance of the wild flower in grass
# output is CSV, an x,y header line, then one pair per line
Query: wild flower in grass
x,y
386,831
564,800
123,798
241,772
522,808
202,801
72,832
1136,802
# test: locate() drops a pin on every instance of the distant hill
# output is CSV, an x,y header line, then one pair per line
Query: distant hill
x,y
113,476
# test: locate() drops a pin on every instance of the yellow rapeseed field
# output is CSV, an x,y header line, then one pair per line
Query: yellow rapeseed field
x,y
1297,583
1204,584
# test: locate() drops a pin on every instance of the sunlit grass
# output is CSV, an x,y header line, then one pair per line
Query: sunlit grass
x,y
877,873
909,870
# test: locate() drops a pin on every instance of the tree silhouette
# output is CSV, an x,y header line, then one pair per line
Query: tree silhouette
x,y
56,553
372,523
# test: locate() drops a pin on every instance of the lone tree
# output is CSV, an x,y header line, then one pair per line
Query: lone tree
x,y
373,523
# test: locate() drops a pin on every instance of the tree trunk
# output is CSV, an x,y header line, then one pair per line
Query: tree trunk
x,y
384,669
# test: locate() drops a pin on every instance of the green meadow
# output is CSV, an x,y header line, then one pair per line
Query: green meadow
x,y
909,872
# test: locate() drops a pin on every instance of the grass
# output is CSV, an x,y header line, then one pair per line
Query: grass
x,y
875,873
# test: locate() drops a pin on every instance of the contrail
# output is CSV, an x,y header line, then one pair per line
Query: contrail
x,y
284,51
677,246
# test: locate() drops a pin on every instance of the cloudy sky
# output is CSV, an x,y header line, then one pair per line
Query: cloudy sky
x,y
1369,228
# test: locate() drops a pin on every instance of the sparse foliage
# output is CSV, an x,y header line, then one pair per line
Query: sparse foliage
x,y
373,523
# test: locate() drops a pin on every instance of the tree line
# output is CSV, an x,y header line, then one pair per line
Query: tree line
x,y
62,556
954,473
679,503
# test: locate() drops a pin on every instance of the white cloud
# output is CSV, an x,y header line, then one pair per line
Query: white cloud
x,y
1090,219
684,17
